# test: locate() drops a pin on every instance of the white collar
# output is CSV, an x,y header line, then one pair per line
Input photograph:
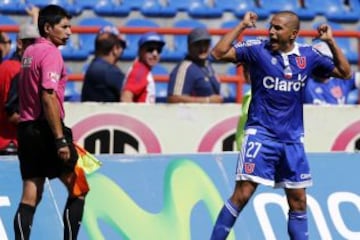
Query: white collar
x,y
295,51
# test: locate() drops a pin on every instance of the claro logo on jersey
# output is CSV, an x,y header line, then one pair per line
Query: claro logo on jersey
x,y
115,133
283,85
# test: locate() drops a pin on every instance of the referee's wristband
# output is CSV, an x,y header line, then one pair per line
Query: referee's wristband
x,y
60,142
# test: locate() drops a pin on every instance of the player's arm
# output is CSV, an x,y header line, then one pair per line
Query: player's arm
x,y
342,66
223,50
127,96
51,112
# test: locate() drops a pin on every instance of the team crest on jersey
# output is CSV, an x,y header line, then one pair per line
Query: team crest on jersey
x,y
301,62
249,168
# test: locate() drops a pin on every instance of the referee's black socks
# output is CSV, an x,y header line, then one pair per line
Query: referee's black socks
x,y
72,217
23,220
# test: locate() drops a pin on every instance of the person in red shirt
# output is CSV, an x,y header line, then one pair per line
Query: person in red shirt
x,y
9,73
139,85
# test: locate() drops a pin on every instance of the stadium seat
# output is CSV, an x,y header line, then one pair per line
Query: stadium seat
x,y
84,4
72,89
292,5
111,8
73,9
72,52
240,7
155,8
336,10
12,7
353,97
160,87
132,39
134,4
87,40
203,9
344,42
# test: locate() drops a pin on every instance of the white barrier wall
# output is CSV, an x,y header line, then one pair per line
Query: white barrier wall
x,y
187,128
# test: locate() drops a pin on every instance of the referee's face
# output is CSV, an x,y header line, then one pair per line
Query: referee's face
x,y
60,33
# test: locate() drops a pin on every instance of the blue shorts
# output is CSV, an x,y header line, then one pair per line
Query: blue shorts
x,y
267,161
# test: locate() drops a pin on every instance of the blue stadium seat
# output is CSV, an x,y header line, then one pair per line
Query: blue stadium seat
x,y
134,4
111,8
203,9
132,39
87,40
336,10
292,5
72,52
353,97
160,87
84,4
12,7
344,42
72,89
154,8
240,7
72,8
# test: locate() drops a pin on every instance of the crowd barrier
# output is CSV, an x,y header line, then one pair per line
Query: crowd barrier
x,y
237,79
182,128
178,196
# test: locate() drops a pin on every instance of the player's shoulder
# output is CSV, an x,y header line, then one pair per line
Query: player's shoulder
x,y
307,49
251,43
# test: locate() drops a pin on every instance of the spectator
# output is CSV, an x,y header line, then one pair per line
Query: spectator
x,y
9,73
46,148
193,80
139,85
103,78
273,151
322,90
5,46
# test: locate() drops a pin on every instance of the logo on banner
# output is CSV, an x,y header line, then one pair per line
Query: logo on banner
x,y
348,139
220,137
115,133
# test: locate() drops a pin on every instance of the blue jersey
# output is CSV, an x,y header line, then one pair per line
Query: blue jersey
x,y
277,83
333,91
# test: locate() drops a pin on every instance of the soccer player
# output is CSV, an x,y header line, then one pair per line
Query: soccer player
x,y
273,152
45,146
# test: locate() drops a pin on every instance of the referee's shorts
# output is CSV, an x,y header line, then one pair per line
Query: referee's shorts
x,y
37,151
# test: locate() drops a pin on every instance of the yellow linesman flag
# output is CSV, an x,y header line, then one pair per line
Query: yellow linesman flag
x,y
88,162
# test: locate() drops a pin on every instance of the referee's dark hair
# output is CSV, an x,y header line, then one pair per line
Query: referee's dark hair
x,y
51,14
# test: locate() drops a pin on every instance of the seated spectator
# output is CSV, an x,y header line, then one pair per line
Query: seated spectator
x,y
9,74
322,90
194,80
139,84
103,78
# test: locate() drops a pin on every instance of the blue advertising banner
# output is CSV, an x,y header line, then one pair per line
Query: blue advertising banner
x,y
178,197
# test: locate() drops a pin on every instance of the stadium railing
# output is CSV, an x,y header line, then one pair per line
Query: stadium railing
x,y
238,79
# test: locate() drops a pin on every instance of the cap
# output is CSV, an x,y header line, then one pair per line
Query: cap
x,y
151,37
28,31
323,48
198,34
113,30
